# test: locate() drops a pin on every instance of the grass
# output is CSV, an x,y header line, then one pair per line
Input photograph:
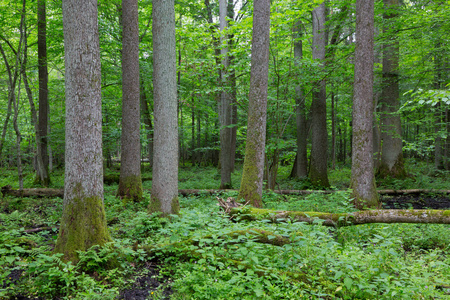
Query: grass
x,y
373,261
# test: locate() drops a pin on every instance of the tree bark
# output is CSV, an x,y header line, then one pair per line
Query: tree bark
x,y
165,160
83,222
363,179
392,163
130,183
252,176
42,175
319,136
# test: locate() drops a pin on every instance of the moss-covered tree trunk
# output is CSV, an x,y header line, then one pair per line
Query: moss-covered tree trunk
x,y
363,179
252,176
165,160
83,222
319,144
391,163
130,183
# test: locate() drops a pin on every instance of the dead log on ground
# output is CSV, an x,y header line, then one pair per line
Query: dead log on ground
x,y
417,216
39,192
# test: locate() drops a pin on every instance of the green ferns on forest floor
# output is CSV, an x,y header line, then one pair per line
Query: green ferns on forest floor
x,y
373,261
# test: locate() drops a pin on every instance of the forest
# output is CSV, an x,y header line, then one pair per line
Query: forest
x,y
229,149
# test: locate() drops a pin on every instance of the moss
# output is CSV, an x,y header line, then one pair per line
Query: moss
x,y
130,188
397,171
154,205
83,225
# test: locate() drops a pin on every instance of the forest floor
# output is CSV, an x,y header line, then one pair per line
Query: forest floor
x,y
415,256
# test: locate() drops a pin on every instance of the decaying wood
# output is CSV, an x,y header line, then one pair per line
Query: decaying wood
x,y
422,216
40,192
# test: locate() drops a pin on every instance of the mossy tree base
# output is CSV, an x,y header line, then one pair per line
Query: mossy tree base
x,y
83,225
130,188
156,205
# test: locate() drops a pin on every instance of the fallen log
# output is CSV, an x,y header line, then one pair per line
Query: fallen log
x,y
39,192
417,216
46,192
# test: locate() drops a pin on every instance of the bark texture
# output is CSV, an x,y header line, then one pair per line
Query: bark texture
x,y
363,178
252,176
130,183
319,136
391,132
83,222
165,160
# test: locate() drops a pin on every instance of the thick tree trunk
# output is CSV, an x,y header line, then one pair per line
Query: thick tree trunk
x,y
392,163
165,160
301,165
130,183
252,176
363,179
83,222
42,175
319,136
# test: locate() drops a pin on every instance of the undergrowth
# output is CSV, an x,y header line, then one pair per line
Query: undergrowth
x,y
199,257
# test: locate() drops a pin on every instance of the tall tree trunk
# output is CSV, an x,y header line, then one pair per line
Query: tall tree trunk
x,y
319,136
392,163
225,108
130,183
301,165
42,175
363,179
83,221
233,93
252,176
165,161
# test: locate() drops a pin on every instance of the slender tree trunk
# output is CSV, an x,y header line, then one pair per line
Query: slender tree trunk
x,y
252,177
83,222
147,123
363,179
301,165
319,145
42,175
165,161
130,183
233,93
225,108
392,163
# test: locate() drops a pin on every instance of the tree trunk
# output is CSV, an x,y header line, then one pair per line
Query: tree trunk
x,y
319,145
225,108
165,160
42,175
83,222
147,123
391,133
301,166
130,183
252,176
363,179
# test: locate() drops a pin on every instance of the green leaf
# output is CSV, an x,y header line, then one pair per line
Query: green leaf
x,y
348,282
